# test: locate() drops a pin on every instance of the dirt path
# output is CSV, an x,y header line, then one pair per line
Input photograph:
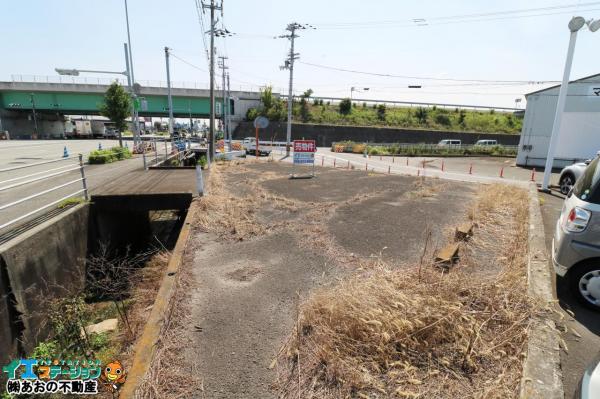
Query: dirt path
x,y
244,289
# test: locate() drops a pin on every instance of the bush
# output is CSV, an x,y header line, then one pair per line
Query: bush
x,y
251,114
443,120
109,155
381,112
202,161
345,106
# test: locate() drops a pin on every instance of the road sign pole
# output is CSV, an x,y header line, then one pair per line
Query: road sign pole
x,y
256,151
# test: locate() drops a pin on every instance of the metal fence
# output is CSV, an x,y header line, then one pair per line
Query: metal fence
x,y
430,147
36,178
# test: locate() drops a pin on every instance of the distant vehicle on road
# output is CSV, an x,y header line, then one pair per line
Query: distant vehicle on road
x,y
486,142
249,145
449,143
576,242
589,386
110,130
80,128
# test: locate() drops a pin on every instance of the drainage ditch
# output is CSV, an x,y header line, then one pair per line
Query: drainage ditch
x,y
53,259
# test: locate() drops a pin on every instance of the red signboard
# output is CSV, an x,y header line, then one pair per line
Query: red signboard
x,y
305,146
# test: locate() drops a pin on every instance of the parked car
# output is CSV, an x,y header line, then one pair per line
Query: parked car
x,y
249,146
570,174
486,142
449,143
589,385
576,242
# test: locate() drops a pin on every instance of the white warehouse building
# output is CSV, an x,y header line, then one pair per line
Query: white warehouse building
x,y
579,136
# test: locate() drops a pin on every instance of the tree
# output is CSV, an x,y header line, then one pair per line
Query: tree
x,y
421,115
267,99
345,106
381,112
304,110
116,107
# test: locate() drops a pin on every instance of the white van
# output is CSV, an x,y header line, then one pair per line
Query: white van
x,y
449,143
486,142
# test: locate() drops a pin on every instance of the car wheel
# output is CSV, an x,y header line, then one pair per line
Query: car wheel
x,y
584,282
566,183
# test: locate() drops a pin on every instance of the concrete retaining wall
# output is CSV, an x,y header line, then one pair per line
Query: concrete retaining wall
x,y
327,134
43,263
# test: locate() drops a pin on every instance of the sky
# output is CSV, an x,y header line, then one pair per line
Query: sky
x,y
421,39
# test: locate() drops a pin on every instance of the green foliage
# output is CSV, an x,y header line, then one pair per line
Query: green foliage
x,y
67,317
381,112
421,115
202,161
443,119
304,107
46,350
109,155
345,106
116,105
69,202
252,114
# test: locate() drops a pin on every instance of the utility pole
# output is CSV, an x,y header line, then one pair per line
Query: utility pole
x,y
228,111
136,130
289,64
211,129
170,98
223,110
131,93
35,125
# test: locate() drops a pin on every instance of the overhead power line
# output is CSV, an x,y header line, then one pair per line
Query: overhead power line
x,y
388,75
474,17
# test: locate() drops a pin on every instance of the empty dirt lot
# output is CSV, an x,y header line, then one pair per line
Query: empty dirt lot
x,y
263,243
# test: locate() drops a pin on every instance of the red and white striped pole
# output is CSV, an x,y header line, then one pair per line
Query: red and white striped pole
x,y
334,162
502,172
322,160
471,169
442,165
367,167
533,175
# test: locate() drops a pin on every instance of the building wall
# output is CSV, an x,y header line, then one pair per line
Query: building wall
x,y
325,135
579,136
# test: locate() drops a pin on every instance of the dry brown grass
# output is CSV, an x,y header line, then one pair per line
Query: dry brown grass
x,y
166,376
230,216
408,333
425,188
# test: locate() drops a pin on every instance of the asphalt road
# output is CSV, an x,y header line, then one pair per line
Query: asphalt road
x,y
583,335
22,153
469,169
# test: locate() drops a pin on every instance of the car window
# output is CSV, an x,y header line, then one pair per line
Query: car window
x,y
587,186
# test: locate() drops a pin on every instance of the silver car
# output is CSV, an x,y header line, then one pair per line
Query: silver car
x,y
569,175
576,242
589,385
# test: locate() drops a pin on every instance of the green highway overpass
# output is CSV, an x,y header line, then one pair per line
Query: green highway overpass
x,y
50,102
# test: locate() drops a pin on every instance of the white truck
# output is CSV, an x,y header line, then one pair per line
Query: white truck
x,y
78,128
249,145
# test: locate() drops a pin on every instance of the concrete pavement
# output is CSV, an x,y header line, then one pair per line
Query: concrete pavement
x,y
583,325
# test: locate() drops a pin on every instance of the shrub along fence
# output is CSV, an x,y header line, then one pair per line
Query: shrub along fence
x,y
109,155
424,149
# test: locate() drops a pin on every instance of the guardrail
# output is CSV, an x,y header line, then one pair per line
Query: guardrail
x,y
36,177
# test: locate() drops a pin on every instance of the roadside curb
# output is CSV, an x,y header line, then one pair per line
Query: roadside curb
x,y
542,375
146,343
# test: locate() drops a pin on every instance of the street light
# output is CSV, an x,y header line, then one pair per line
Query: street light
x,y
575,25
76,72
353,89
